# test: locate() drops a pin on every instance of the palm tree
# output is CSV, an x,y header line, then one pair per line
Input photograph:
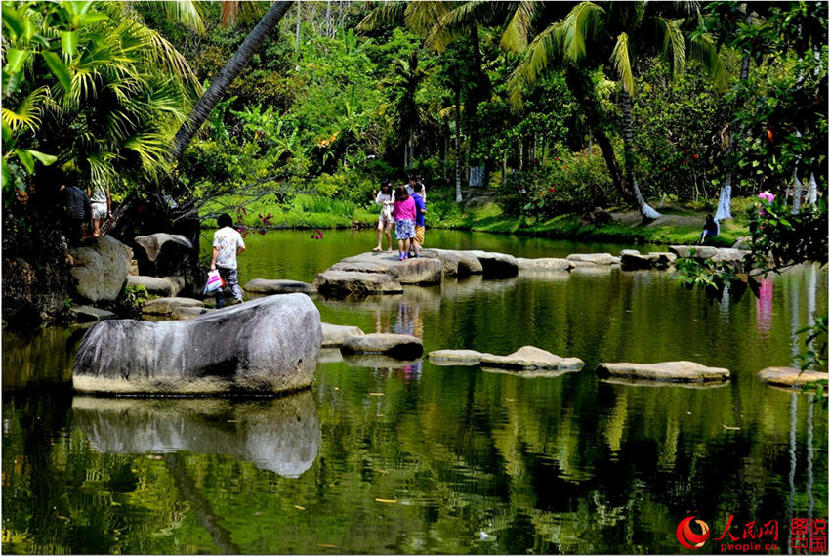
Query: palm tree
x,y
402,85
591,36
252,44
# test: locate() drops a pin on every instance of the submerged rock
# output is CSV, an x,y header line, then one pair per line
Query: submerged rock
x,y
266,346
342,284
791,377
100,267
530,357
281,435
401,347
277,286
335,335
665,371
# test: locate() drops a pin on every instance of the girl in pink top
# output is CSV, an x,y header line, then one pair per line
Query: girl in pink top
x,y
404,221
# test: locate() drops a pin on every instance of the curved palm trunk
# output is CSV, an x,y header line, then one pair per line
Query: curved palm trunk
x,y
253,43
646,210
725,202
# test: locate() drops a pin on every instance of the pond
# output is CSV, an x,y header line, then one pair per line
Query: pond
x,y
429,459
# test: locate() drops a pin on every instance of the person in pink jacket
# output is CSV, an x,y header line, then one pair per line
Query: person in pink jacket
x,y
404,221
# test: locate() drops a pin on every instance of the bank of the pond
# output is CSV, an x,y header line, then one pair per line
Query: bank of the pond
x,y
679,224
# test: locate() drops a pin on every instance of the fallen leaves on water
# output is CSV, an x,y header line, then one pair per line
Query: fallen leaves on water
x,y
329,545
510,399
379,500
300,508
730,427
382,471
377,394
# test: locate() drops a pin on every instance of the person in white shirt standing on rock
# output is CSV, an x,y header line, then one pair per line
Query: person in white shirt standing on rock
x,y
227,244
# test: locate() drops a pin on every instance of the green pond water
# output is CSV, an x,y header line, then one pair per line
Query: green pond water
x,y
421,458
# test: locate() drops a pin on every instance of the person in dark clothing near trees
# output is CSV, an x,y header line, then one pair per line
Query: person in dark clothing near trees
x,y
75,205
711,228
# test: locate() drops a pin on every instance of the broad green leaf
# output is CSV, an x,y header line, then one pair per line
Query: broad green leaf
x,y
13,21
26,159
14,60
69,43
7,175
7,134
59,69
43,157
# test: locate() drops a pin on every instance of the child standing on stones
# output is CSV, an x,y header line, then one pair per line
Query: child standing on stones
x,y
420,212
404,221
227,244
386,199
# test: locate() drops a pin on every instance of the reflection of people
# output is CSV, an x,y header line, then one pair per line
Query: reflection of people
x,y
227,244
101,204
403,324
404,221
386,199
710,228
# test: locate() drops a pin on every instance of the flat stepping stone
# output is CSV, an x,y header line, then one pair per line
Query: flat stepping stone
x,y
666,371
277,286
335,335
158,286
496,265
342,284
592,258
87,314
718,255
330,356
166,306
448,259
790,377
632,259
401,347
456,357
544,265
415,270
530,357
188,312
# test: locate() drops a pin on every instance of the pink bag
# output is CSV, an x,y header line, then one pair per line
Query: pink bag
x,y
214,282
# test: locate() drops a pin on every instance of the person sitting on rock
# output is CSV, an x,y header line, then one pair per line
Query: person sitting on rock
x,y
227,244
711,228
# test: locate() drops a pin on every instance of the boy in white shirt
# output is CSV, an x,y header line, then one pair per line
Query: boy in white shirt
x,y
227,244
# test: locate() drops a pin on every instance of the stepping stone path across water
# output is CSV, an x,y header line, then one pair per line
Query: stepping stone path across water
x,y
526,357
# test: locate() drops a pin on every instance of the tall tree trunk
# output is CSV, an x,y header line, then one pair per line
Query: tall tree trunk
x,y
252,44
628,142
328,18
297,38
811,193
725,202
457,146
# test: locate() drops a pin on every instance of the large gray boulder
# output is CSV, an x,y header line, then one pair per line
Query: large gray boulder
x,y
665,371
343,284
335,335
168,287
277,286
281,435
161,255
496,265
530,357
100,267
416,270
266,346
401,347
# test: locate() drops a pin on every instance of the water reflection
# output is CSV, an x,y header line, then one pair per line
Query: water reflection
x,y
281,435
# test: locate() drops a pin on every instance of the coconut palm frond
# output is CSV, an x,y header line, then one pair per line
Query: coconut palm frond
x,y
543,49
388,13
581,23
186,12
704,49
453,23
422,16
622,63
520,27
101,169
161,51
674,44
151,148
28,112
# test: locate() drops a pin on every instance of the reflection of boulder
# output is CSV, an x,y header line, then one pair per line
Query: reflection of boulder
x,y
100,267
376,361
265,346
649,383
632,259
281,435
496,265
